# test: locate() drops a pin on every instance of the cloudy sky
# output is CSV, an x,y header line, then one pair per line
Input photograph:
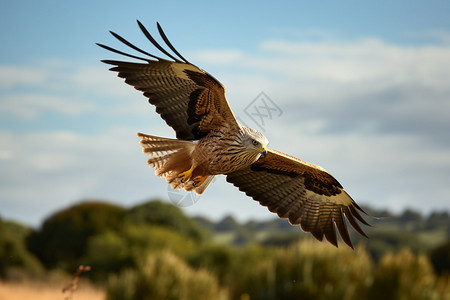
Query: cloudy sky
x,y
362,90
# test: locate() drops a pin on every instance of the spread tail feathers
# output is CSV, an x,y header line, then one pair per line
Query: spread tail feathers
x,y
170,157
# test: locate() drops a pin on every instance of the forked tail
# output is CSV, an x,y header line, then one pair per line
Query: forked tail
x,y
170,157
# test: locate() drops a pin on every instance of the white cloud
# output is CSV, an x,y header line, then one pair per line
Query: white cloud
x,y
11,76
439,35
31,106
99,81
368,61
66,89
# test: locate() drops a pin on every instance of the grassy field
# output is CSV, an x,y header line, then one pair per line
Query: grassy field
x,y
40,291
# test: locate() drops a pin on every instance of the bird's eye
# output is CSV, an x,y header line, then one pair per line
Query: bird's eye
x,y
255,143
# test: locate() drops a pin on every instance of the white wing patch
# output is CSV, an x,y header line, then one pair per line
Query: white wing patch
x,y
341,199
179,68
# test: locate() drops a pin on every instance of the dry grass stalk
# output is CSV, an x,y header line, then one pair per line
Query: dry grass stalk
x,y
73,286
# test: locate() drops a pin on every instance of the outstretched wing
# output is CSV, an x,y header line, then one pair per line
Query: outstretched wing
x,y
190,100
302,192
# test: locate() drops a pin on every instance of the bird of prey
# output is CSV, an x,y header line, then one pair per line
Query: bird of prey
x,y
210,141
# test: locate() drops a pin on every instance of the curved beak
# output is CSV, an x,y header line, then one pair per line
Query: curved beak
x,y
262,150
264,153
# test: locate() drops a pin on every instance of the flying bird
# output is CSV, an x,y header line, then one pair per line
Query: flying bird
x,y
210,141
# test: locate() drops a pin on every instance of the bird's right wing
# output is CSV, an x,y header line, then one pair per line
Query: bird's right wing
x,y
304,193
190,100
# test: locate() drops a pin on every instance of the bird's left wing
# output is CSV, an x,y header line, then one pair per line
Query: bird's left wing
x,y
190,100
304,193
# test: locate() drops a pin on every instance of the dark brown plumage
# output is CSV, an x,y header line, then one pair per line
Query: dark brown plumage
x,y
301,192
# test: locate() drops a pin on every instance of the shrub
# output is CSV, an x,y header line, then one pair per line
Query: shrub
x,y
405,275
164,276
222,260
116,250
309,270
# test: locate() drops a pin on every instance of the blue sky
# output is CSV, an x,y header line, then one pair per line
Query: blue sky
x,y
363,88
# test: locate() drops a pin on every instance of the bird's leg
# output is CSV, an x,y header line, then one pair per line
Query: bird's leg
x,y
198,181
186,175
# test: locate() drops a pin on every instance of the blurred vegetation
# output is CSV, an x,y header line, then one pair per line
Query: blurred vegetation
x,y
63,238
164,276
114,251
440,258
404,275
154,251
14,256
167,215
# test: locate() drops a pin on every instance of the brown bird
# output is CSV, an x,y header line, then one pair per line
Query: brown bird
x,y
210,141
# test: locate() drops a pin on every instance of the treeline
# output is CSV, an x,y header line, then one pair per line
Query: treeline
x,y
154,251
388,233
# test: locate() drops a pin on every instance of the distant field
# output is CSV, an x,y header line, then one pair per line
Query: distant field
x,y
39,291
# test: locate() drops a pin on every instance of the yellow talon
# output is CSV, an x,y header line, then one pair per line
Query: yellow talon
x,y
198,181
185,176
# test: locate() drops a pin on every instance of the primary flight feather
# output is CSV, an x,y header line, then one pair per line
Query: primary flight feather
x,y
210,141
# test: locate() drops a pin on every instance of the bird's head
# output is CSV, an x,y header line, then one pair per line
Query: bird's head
x,y
254,141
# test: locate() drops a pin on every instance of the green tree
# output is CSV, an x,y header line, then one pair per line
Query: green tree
x,y
13,253
438,220
411,220
63,237
168,215
227,224
384,241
